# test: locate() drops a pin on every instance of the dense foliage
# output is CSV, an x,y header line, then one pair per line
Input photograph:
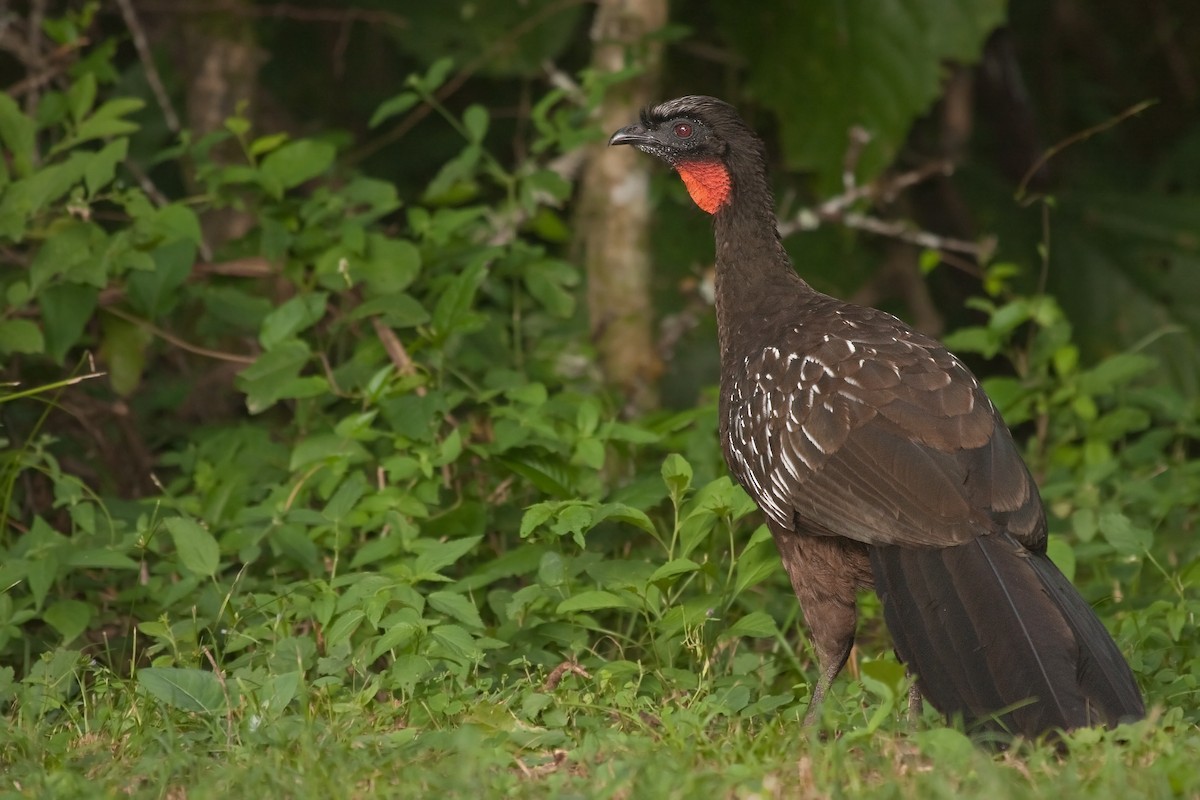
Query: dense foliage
x,y
374,474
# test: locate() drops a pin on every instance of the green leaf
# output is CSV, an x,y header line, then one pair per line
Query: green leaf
x,y
677,473
388,266
455,181
475,120
326,447
124,352
393,106
756,624
1115,371
20,336
66,310
197,549
81,96
99,558
457,607
536,516
297,162
17,133
757,562
453,311
156,293
1062,555
69,617
593,600
267,380
1125,537
589,452
673,568
345,498
879,64
437,555
107,121
980,340
399,310
265,144
456,642
175,221
343,627
278,691
185,689
433,77
71,252
26,197
294,316
546,283
102,166
623,513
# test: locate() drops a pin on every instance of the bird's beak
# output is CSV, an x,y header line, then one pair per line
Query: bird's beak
x,y
633,134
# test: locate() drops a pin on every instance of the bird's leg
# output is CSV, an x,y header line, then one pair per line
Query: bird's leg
x,y
915,704
829,670
826,572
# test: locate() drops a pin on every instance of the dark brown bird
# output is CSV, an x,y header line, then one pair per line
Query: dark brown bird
x,y
879,462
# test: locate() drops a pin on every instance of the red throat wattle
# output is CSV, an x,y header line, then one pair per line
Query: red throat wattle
x,y
707,182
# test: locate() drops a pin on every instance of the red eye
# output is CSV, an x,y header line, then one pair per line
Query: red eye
x,y
683,130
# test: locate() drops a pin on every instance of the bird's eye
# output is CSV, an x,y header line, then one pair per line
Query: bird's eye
x,y
683,130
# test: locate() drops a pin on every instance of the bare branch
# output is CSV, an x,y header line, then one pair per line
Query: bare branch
x,y
885,189
395,349
147,58
556,675
171,338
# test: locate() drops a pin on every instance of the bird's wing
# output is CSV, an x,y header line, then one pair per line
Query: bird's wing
x,y
878,434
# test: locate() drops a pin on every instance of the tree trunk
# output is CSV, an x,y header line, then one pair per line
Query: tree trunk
x,y
219,58
614,223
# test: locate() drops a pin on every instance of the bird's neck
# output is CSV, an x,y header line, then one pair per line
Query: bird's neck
x,y
755,279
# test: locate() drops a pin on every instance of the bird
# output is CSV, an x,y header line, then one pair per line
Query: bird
x,y
879,462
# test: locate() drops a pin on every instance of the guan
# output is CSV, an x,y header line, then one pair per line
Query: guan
x,y
879,462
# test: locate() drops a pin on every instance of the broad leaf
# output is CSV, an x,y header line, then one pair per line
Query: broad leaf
x,y
295,163
874,63
185,689
197,549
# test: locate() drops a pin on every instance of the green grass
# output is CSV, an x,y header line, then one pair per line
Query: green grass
x,y
581,738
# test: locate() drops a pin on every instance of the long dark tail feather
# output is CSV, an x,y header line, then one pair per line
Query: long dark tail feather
x,y
997,635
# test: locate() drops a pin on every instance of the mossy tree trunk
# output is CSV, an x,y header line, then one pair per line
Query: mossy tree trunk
x,y
614,224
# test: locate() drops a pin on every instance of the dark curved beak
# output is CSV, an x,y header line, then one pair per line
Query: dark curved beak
x,y
632,134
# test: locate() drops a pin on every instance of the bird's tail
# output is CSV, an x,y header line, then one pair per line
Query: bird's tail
x,y
997,635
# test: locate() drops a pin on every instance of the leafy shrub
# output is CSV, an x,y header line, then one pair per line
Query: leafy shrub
x,y
421,492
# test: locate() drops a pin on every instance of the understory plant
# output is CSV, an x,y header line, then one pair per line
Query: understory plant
x,y
358,456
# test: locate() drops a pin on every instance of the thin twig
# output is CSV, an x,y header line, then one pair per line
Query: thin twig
x,y
556,675
224,690
836,209
142,46
1076,138
249,267
37,15
395,349
159,199
900,230
171,338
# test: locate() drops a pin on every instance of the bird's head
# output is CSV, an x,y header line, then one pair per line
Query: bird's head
x,y
694,135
